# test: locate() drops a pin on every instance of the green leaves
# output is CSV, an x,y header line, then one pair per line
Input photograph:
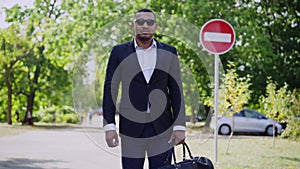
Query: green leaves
x,y
74,31
277,102
234,91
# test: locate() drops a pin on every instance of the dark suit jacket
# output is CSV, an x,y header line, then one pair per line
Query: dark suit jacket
x,y
163,92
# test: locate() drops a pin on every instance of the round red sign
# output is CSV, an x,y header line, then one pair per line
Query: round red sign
x,y
217,36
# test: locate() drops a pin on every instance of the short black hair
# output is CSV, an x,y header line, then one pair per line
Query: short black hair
x,y
146,10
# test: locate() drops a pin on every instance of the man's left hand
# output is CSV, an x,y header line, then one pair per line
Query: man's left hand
x,y
178,136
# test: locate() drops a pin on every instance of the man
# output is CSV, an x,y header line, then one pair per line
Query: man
x,y
152,114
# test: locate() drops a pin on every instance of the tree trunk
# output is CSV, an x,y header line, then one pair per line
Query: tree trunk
x,y
192,120
231,134
33,87
30,103
8,86
9,95
208,114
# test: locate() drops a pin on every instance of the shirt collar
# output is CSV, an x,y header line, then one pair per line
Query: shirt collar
x,y
153,44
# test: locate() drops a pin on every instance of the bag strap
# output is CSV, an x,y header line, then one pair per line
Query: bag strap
x,y
184,147
172,150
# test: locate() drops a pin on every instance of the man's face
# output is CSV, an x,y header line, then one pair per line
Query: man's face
x,y
144,25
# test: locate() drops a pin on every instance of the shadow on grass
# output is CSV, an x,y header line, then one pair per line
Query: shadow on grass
x,y
55,126
294,159
24,163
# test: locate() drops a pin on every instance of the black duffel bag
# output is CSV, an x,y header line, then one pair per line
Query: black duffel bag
x,y
192,163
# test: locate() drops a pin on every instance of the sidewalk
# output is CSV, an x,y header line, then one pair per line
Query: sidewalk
x,y
68,148
60,148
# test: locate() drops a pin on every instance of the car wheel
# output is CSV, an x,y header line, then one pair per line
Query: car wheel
x,y
224,129
269,131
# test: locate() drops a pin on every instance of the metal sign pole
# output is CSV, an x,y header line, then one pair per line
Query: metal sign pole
x,y
217,36
216,105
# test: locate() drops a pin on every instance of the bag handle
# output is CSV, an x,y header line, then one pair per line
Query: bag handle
x,y
172,150
184,147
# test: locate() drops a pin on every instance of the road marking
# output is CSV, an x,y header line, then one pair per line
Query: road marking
x,y
217,37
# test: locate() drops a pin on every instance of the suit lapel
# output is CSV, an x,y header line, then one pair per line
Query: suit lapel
x,y
136,64
159,61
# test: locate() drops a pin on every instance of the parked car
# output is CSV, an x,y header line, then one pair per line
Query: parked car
x,y
247,121
98,112
198,118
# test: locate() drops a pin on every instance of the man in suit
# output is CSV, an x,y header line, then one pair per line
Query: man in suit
x,y
152,113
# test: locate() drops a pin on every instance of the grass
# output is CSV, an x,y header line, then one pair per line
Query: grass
x,y
250,152
18,128
245,151
8,130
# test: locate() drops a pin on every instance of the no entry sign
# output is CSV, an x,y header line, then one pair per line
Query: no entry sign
x,y
217,36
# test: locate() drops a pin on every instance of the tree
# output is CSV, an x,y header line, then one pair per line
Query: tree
x,y
234,94
191,93
63,33
33,74
292,131
268,43
13,49
276,104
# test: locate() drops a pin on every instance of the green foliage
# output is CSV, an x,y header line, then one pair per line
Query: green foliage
x,y
2,117
65,114
33,73
295,101
47,118
234,91
284,106
71,118
277,102
293,127
66,110
45,115
267,45
292,131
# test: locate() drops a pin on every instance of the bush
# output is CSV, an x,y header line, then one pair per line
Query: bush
x,y
45,115
3,117
292,131
48,118
66,110
71,118
64,114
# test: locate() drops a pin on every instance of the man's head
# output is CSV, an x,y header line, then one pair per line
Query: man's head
x,y
144,24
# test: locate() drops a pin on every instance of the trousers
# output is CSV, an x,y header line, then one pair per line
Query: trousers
x,y
135,150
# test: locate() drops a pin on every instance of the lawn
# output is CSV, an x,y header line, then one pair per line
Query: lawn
x,y
7,130
245,151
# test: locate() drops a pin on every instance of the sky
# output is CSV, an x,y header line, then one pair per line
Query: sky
x,y
9,4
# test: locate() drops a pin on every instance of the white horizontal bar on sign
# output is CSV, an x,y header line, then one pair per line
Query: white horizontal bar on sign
x,y
217,37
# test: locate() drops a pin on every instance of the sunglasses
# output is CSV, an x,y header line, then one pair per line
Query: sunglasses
x,y
141,22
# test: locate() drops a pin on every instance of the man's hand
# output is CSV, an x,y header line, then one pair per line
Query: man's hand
x,y
111,138
178,136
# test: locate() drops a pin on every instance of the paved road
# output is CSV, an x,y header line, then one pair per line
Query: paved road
x,y
67,148
62,148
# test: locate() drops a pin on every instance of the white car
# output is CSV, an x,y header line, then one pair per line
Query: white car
x,y
246,121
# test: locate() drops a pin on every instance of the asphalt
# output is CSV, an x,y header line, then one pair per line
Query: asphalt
x,y
80,147
64,148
